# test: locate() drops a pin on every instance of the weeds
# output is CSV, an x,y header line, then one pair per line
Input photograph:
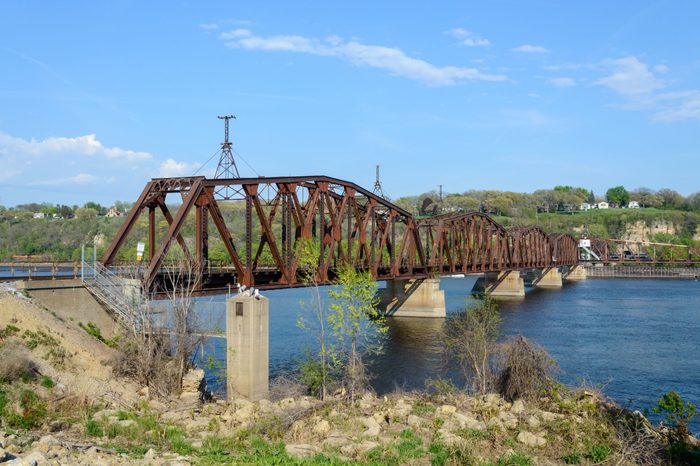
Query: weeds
x,y
95,332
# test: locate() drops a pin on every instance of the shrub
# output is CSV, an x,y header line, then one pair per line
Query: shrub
x,y
527,370
15,363
471,339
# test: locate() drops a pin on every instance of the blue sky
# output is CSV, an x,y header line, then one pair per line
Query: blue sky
x,y
98,97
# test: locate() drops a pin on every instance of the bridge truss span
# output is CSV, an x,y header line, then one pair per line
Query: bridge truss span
x,y
262,233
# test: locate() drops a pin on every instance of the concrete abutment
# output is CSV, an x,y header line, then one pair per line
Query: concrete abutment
x,y
412,298
501,285
576,273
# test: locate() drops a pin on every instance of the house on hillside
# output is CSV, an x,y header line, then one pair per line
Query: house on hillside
x,y
633,205
39,215
585,206
602,205
113,212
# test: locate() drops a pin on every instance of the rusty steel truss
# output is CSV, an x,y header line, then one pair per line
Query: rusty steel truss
x,y
343,223
616,251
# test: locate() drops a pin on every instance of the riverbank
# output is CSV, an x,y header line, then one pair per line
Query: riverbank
x,y
50,414
575,428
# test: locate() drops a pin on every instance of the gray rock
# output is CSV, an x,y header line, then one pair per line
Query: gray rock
x,y
530,439
468,422
372,428
322,427
414,421
447,410
301,450
518,407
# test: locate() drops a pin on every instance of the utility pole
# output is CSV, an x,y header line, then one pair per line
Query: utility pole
x,y
378,185
440,195
227,165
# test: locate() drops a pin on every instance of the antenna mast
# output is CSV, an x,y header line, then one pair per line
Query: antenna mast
x,y
378,185
227,165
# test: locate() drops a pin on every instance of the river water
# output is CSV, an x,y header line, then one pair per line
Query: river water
x,y
635,338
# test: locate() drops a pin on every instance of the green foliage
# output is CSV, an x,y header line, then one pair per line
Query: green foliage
x,y
598,453
440,386
571,458
515,459
31,413
46,382
216,368
355,323
618,195
8,332
678,413
420,408
93,330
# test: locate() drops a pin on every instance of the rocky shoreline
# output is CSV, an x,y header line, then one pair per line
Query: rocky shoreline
x,y
404,428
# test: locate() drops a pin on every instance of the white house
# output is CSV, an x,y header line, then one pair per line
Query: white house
x,y
585,206
113,212
39,215
602,205
633,205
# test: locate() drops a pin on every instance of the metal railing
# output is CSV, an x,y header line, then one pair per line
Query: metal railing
x,y
121,296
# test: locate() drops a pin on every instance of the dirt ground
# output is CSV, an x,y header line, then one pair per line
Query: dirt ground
x,y
83,368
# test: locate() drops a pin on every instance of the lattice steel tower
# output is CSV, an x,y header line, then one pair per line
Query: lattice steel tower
x,y
227,164
378,186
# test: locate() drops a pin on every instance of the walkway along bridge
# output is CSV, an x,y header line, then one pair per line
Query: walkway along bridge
x,y
346,224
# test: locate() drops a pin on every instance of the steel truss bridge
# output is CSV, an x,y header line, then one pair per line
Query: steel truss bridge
x,y
344,223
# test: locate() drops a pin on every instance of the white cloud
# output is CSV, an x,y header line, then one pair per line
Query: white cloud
x,y
80,178
209,27
639,84
84,145
631,77
391,59
528,48
684,106
562,82
172,168
467,38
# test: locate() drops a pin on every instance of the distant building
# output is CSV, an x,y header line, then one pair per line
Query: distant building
x,y
602,205
39,215
633,205
113,212
585,206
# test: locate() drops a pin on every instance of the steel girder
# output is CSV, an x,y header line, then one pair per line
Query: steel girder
x,y
346,225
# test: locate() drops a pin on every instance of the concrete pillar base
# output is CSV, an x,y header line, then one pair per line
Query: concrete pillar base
x,y
247,347
501,285
548,278
576,273
412,298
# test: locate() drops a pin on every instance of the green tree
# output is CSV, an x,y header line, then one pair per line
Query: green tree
x,y
355,323
315,370
618,195
471,337
591,197
678,413
85,212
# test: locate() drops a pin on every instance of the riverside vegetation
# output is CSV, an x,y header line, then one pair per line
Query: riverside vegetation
x,y
63,402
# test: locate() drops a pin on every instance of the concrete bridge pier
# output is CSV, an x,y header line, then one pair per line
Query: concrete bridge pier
x,y
576,273
501,285
549,277
412,298
247,347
